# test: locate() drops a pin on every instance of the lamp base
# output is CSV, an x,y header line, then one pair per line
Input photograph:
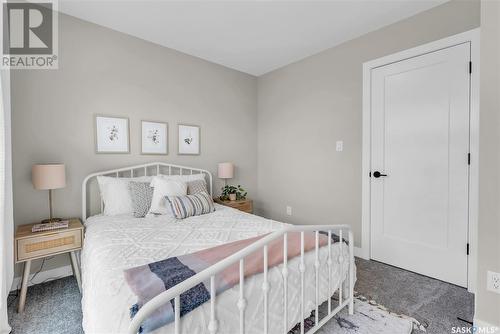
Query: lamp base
x,y
51,220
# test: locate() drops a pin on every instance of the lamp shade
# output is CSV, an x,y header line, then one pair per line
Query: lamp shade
x,y
226,170
48,176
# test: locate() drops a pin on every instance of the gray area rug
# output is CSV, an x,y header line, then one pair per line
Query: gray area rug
x,y
55,307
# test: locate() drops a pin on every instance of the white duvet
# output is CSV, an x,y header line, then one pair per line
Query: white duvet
x,y
113,244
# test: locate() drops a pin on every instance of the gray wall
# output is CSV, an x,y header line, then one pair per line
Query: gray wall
x,y
106,72
291,117
488,303
305,107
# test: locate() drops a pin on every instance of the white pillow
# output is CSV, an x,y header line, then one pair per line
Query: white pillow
x,y
165,187
184,178
116,195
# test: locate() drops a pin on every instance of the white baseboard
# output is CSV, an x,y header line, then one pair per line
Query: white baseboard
x,y
358,252
44,276
361,253
486,327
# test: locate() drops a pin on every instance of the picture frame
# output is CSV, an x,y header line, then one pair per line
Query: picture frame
x,y
112,134
154,138
188,139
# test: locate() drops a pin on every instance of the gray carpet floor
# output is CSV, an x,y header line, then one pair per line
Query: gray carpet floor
x,y
433,303
54,307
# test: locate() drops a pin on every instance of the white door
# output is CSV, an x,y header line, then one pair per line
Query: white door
x,y
420,140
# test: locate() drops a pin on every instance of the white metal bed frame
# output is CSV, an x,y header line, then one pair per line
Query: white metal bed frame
x,y
262,244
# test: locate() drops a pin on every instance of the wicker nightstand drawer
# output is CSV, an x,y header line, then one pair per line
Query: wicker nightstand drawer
x,y
33,245
41,246
245,205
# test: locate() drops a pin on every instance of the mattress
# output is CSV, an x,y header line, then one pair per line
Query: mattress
x,y
115,243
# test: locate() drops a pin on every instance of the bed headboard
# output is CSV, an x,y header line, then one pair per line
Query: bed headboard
x,y
91,199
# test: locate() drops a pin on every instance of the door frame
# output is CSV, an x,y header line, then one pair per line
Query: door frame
x,y
472,37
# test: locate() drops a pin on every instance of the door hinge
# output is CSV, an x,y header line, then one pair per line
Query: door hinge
x,y
467,248
470,67
468,159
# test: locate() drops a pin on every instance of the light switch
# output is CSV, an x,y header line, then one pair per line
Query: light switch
x,y
339,146
288,210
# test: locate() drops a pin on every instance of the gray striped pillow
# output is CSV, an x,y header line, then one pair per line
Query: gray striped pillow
x,y
191,205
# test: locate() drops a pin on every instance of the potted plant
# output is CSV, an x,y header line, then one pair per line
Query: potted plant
x,y
232,193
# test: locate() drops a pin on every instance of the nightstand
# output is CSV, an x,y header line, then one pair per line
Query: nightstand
x,y
245,205
29,246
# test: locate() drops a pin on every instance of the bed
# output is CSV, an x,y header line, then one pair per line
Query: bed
x,y
256,305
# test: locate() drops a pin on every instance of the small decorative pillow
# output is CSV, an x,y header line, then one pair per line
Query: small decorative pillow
x,y
191,205
196,187
141,194
165,187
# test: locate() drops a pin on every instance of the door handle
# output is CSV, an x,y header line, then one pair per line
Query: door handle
x,y
377,174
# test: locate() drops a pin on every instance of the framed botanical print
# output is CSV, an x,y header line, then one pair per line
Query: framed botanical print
x,y
154,137
188,139
112,134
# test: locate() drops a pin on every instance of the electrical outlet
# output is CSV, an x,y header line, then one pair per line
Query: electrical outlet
x,y
288,210
339,146
493,281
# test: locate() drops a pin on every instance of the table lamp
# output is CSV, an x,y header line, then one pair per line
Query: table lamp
x,y
225,171
48,177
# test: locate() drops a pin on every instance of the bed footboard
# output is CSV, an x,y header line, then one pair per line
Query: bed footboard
x,y
262,244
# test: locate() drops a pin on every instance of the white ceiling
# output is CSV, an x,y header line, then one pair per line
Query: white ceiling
x,y
250,36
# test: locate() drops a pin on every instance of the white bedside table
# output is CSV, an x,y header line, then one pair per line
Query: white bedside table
x,y
29,246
